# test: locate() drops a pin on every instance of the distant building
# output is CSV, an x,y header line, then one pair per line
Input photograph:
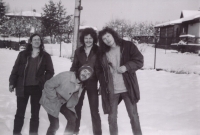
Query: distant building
x,y
18,27
27,14
31,20
188,24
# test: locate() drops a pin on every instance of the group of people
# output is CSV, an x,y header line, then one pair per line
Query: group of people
x,y
112,63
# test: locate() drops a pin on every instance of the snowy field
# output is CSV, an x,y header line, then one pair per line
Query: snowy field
x,y
169,105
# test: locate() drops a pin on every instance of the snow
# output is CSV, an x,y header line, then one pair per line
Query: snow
x,y
14,39
169,105
171,60
24,13
188,15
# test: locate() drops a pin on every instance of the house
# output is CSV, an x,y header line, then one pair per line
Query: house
x,y
26,22
18,27
27,14
188,24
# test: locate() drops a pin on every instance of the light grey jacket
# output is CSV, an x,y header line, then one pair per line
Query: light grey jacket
x,y
59,90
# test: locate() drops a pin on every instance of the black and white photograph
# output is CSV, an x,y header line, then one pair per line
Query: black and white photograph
x,y
100,67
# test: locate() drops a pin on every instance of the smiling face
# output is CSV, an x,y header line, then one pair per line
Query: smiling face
x,y
84,74
36,41
88,40
108,40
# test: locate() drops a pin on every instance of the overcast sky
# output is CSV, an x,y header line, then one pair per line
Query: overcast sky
x,y
98,12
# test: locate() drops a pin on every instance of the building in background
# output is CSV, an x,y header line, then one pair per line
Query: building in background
x,y
23,23
188,26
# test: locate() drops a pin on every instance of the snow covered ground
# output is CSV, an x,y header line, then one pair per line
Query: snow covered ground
x,y
169,105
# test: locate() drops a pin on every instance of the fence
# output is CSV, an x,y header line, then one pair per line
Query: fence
x,y
193,44
9,44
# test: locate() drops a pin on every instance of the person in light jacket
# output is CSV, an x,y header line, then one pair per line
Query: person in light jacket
x,y
32,68
61,94
118,61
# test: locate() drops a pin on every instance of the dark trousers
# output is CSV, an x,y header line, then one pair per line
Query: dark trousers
x,y
54,122
94,110
132,113
35,94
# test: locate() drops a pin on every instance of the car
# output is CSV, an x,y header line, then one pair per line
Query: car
x,y
22,45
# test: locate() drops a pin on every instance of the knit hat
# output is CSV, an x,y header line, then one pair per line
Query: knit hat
x,y
88,67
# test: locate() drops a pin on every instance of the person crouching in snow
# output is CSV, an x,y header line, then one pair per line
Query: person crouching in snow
x,y
61,94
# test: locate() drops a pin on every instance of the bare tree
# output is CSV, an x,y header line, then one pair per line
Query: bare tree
x,y
127,29
119,25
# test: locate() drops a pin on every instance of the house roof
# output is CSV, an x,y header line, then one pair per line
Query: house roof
x,y
169,23
187,13
187,16
192,17
25,13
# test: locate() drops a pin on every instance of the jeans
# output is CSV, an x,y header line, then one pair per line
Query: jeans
x,y
54,122
132,113
35,94
94,110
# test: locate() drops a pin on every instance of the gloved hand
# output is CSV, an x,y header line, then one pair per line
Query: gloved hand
x,y
11,88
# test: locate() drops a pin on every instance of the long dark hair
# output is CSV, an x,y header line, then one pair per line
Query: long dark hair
x,y
103,48
29,47
91,32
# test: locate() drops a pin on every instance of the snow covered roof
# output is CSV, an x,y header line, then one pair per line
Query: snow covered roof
x,y
192,17
187,35
178,21
15,39
24,13
187,13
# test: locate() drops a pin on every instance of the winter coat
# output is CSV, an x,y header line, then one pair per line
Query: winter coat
x,y
80,58
132,59
59,90
44,71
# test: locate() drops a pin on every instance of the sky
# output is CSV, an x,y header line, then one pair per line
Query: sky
x,y
99,12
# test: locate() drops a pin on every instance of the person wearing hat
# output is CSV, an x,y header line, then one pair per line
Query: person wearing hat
x,y
61,94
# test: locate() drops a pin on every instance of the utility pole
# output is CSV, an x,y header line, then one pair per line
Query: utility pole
x,y
156,42
77,13
60,31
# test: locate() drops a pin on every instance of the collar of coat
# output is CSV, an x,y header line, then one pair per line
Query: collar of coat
x,y
73,78
121,46
28,53
94,48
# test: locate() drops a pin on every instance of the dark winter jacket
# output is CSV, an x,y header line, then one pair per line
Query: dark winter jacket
x,y
44,72
132,59
80,58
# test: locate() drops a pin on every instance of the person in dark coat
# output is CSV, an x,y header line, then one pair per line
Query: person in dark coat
x,y
87,53
32,68
118,60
